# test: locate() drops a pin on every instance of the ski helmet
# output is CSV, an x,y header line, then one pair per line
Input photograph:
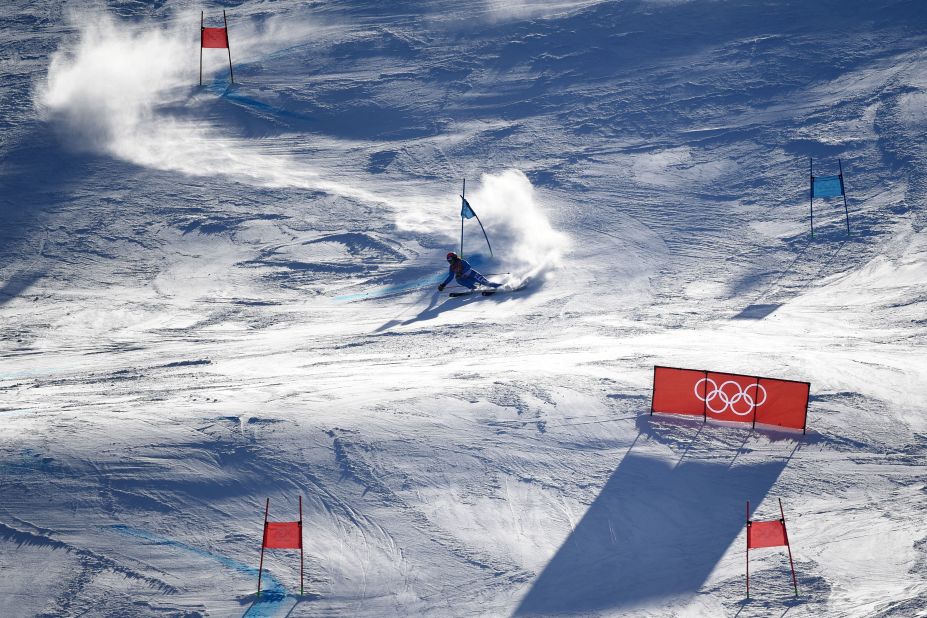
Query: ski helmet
x,y
451,256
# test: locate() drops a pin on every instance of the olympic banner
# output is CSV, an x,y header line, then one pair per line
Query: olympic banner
x,y
730,397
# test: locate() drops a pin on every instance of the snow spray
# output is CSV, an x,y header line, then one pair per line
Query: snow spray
x,y
108,83
130,90
524,239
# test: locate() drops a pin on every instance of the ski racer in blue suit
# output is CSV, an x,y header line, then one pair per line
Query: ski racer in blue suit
x,y
465,274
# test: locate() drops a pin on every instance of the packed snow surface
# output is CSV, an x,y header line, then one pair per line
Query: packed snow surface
x,y
214,295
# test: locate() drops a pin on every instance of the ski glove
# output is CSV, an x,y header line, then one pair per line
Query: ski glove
x,y
440,287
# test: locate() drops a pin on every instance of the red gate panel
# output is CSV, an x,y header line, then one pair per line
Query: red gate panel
x,y
766,534
215,38
283,535
674,391
786,404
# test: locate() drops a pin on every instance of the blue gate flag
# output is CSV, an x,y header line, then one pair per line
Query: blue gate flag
x,y
465,210
826,186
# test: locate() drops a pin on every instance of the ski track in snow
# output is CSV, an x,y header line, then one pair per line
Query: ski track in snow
x,y
211,296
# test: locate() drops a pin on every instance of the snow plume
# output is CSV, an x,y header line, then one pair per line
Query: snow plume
x,y
110,83
253,39
112,87
518,228
128,90
510,10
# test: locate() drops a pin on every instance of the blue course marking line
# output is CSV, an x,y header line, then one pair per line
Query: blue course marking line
x,y
389,290
475,261
273,593
30,373
221,88
13,412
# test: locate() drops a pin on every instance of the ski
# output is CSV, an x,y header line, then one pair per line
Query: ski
x,y
489,291
503,290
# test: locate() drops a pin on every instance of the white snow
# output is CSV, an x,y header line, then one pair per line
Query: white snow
x,y
215,295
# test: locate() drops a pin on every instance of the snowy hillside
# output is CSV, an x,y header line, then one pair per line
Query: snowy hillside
x,y
211,296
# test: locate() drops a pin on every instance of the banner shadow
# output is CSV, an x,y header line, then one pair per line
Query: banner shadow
x,y
656,530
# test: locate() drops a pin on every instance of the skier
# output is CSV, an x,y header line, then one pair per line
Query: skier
x,y
465,274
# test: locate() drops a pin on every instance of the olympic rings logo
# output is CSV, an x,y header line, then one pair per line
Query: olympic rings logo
x,y
730,397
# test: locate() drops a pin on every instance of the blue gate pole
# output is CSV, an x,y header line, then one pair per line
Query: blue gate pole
x,y
811,174
844,192
463,193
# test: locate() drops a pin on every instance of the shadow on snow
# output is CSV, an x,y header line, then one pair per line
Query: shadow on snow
x,y
656,530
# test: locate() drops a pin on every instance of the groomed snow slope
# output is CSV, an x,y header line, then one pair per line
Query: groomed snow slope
x,y
215,295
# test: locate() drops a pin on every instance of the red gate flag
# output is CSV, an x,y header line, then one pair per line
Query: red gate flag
x,y
768,534
282,535
765,534
730,397
217,38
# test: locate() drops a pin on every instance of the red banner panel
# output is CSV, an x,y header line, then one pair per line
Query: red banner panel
x,y
675,391
282,535
215,37
786,403
766,534
730,397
